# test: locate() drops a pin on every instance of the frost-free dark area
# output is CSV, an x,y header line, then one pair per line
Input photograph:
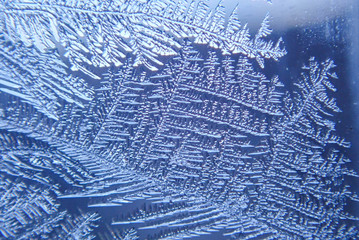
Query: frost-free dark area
x,y
171,120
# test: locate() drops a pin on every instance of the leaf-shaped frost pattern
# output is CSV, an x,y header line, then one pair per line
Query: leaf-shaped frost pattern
x,y
205,146
40,79
22,205
77,227
306,170
101,35
211,147
29,205
235,167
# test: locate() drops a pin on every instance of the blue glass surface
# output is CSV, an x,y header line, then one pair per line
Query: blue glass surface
x,y
178,119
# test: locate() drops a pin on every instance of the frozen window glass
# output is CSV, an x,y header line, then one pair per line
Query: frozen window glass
x,y
179,119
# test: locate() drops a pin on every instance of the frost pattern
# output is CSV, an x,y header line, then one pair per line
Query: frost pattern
x,y
40,79
29,208
101,35
204,145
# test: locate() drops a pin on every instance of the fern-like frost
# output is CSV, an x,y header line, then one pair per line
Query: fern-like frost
x,y
102,35
196,143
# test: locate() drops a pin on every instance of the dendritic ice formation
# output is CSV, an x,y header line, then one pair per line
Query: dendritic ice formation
x,y
153,120
96,34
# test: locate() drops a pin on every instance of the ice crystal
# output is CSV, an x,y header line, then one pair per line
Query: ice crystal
x,y
102,34
205,145
39,78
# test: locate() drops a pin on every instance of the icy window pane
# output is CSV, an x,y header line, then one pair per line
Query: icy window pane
x,y
179,119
